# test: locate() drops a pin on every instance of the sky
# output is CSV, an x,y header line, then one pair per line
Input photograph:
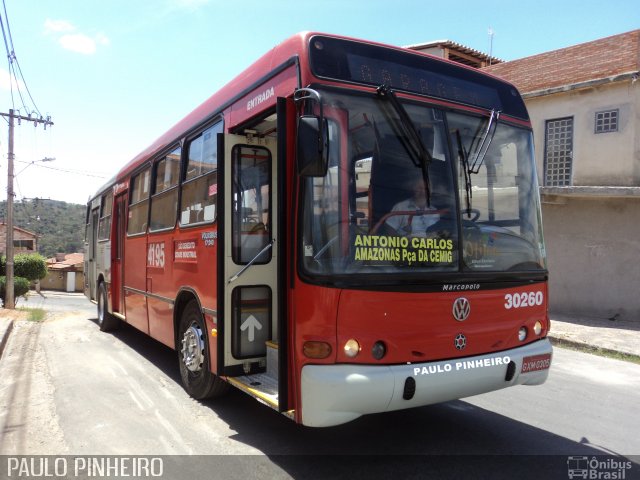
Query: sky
x,y
116,74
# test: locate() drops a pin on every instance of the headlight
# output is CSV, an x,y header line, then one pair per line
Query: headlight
x,y
379,350
522,334
351,348
537,328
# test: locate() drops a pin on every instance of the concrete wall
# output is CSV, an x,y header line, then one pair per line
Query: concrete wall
x,y
56,280
593,246
611,159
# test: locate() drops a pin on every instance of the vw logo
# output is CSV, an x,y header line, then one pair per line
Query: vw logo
x,y
461,309
460,341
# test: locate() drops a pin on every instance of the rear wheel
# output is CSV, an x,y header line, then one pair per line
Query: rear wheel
x,y
193,356
106,321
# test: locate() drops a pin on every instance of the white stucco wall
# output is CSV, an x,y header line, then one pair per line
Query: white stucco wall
x,y
611,159
593,238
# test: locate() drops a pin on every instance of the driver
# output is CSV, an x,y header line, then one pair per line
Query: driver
x,y
412,217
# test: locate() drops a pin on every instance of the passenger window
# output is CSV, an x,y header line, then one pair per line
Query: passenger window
x,y
200,185
104,228
164,203
139,203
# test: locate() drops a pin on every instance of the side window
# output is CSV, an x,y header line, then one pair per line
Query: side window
x,y
139,203
199,187
164,203
104,227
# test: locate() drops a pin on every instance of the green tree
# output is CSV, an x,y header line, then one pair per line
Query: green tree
x,y
59,225
20,287
31,266
27,268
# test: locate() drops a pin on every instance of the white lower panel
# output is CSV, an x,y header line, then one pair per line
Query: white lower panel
x,y
335,394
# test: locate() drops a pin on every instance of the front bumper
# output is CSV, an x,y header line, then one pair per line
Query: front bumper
x,y
336,394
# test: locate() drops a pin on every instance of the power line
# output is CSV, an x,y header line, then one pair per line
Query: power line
x,y
11,116
13,59
75,172
6,45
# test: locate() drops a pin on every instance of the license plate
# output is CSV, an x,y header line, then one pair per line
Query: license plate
x,y
536,362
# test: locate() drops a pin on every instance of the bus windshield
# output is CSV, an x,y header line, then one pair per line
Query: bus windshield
x,y
380,210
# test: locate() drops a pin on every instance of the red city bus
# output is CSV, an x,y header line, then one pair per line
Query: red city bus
x,y
345,228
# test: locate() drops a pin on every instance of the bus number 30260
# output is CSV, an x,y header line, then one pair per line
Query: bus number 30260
x,y
523,299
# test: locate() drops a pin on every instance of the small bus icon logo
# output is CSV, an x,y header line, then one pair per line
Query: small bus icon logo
x,y
578,467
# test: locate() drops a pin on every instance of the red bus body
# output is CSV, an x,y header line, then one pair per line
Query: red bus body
x,y
151,277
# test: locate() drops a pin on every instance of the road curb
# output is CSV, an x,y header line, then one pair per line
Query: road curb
x,y
5,337
586,347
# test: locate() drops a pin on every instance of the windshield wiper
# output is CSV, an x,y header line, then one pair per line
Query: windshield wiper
x,y
473,167
485,142
464,159
416,148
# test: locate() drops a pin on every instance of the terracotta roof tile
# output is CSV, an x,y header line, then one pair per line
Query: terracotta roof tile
x,y
69,259
603,58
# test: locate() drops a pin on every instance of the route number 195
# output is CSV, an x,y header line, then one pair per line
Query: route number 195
x,y
155,255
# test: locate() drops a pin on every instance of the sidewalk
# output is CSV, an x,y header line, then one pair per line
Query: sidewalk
x,y
7,317
617,336
596,333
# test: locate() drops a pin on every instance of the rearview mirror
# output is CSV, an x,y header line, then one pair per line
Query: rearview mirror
x,y
312,146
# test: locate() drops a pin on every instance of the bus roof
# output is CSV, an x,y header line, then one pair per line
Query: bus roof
x,y
291,47
294,51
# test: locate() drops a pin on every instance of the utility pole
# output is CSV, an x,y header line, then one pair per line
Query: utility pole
x,y
9,301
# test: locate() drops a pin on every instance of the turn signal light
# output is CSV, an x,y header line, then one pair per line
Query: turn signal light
x,y
317,350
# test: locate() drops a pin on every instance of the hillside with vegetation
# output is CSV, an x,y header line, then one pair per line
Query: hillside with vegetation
x,y
59,225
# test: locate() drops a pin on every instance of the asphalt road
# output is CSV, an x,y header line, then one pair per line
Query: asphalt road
x,y
69,389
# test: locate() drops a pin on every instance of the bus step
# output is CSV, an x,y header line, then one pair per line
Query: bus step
x,y
261,386
272,358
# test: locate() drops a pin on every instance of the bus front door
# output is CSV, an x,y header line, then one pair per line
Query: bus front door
x,y
93,249
117,254
248,284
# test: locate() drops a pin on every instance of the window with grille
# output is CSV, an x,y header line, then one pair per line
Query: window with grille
x,y
558,152
606,121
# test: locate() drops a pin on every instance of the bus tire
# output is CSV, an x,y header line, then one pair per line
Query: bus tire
x,y
106,321
193,356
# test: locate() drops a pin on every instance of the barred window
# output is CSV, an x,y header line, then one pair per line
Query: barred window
x,y
606,121
558,155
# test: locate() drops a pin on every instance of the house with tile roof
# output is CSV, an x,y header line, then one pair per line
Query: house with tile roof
x,y
456,52
584,104
24,241
65,272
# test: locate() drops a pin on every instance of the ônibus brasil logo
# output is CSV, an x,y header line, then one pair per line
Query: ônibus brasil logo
x,y
597,468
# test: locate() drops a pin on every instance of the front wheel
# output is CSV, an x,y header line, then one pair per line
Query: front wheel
x,y
193,356
106,321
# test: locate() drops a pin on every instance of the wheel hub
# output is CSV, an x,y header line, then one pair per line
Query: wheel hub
x,y
193,348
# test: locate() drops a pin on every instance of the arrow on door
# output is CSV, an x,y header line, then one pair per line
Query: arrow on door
x,y
251,323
